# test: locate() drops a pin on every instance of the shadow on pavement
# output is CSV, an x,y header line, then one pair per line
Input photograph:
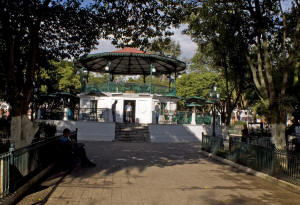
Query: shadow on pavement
x,y
113,157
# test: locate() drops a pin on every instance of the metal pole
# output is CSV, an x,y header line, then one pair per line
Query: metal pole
x,y
10,164
175,82
214,120
108,82
82,79
151,68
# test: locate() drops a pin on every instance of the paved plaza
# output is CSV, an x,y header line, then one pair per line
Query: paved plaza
x,y
162,174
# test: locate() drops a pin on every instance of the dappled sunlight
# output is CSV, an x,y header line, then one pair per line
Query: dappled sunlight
x,y
163,173
116,157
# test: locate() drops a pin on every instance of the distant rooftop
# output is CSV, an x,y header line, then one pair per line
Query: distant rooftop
x,y
129,50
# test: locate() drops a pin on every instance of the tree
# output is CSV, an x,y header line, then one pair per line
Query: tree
x,y
214,57
62,78
197,84
203,61
34,32
200,84
166,47
270,43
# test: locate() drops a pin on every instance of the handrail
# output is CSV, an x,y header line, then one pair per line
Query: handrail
x,y
258,155
20,165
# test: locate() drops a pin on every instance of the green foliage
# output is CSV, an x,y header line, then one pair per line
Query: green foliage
x,y
32,33
62,77
199,84
69,81
156,80
165,47
203,61
96,80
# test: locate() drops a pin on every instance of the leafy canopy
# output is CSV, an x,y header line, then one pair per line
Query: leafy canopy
x,y
34,32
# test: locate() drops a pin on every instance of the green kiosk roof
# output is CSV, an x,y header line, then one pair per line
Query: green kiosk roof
x,y
130,61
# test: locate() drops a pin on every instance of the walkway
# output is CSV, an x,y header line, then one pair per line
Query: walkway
x,y
162,174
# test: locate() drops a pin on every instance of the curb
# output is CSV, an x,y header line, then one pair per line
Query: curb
x,y
12,198
279,182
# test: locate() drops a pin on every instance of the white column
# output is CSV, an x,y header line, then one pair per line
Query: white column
x,y
193,122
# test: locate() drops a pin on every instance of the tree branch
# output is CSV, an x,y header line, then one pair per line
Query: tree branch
x,y
260,65
255,77
268,68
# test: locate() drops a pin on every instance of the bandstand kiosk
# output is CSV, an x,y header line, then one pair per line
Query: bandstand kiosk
x,y
96,101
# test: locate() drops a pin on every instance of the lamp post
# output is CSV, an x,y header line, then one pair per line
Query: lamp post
x,y
82,72
214,97
152,70
107,69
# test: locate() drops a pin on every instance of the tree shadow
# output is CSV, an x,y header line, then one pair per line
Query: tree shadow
x,y
133,159
114,157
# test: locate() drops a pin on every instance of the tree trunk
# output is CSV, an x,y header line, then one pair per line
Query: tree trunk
x,y
22,131
278,124
228,113
278,133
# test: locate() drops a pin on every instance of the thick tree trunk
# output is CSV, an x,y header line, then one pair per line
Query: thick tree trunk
x,y
278,133
22,131
278,123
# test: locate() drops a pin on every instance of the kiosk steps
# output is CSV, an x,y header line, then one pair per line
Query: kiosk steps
x,y
131,132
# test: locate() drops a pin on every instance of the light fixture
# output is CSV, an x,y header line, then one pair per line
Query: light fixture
x,y
153,70
214,88
107,67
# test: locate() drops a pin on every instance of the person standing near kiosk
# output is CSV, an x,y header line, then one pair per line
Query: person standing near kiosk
x,y
157,112
128,112
113,110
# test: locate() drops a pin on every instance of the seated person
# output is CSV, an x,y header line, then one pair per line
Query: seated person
x,y
74,151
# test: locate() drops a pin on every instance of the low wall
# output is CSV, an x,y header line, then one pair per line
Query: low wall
x,y
87,130
180,133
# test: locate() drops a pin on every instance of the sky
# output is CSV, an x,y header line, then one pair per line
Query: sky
x,y
188,47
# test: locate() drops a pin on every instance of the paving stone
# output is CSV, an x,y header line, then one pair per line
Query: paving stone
x,y
168,174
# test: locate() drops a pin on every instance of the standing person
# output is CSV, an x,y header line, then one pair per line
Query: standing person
x,y
128,110
76,112
245,133
43,112
157,112
113,110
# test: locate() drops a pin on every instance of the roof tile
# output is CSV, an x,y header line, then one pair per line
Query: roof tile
x,y
129,50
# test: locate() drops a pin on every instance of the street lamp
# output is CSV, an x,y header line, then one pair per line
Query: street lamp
x,y
214,97
107,69
82,72
152,70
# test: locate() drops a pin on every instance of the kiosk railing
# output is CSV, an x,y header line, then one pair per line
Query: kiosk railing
x,y
127,88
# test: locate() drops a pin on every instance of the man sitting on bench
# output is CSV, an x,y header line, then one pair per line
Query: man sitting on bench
x,y
74,151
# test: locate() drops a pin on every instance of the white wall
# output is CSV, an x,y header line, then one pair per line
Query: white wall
x,y
87,130
143,112
145,105
179,133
